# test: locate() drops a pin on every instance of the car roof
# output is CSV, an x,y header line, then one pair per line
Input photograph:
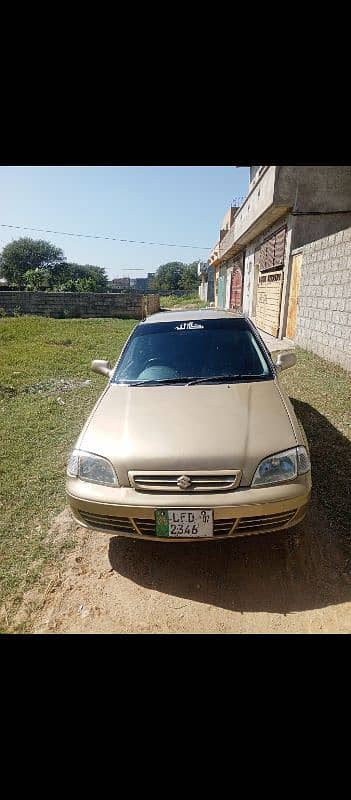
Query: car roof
x,y
193,314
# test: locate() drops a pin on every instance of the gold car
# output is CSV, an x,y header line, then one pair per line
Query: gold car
x,y
193,437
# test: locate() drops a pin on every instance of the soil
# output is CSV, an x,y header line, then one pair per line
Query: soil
x,y
278,583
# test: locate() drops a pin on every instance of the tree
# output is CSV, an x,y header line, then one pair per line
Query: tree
x,y
176,275
39,265
168,276
36,280
97,276
87,284
189,278
26,254
71,277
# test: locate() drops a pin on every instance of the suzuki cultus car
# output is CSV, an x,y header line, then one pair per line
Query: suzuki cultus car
x,y
193,437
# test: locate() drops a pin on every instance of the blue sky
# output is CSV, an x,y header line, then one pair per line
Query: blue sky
x,y
180,205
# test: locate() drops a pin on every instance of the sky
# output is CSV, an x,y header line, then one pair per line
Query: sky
x,y
166,205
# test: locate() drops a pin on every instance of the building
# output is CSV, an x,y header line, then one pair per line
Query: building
x,y
139,284
255,258
120,284
206,274
132,284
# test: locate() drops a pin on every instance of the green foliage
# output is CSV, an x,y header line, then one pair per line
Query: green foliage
x,y
27,254
71,277
37,265
190,300
189,278
176,275
36,280
70,285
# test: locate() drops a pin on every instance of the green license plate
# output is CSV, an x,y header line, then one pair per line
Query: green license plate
x,y
183,523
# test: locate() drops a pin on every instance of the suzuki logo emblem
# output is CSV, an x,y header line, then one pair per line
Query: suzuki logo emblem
x,y
184,482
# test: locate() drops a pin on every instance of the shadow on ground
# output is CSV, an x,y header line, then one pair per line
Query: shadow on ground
x,y
279,573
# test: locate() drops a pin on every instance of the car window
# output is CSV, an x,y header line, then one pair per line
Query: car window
x,y
191,349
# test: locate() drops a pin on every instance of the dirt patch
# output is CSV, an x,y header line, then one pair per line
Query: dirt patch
x,y
44,388
61,384
282,583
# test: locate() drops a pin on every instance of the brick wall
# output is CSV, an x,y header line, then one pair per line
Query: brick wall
x,y
324,310
151,303
80,304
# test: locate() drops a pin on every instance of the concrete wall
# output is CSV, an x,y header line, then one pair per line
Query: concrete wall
x,y
253,175
249,280
324,310
310,227
313,188
151,303
206,288
259,199
203,290
80,304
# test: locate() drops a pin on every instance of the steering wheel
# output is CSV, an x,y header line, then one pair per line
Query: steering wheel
x,y
156,362
159,362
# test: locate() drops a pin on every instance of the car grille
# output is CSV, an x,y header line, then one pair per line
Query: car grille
x,y
164,482
221,527
268,522
103,522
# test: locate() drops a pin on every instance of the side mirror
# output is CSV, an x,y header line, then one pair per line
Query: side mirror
x,y
285,360
103,367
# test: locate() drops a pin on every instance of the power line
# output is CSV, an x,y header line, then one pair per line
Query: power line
x,y
110,238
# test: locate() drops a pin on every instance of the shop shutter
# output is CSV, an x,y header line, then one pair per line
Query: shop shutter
x,y
236,289
268,303
263,255
279,251
269,261
271,253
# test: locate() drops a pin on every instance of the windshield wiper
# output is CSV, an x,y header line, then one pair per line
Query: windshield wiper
x,y
162,382
223,378
190,381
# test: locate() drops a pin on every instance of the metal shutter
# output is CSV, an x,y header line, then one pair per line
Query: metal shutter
x,y
272,251
279,250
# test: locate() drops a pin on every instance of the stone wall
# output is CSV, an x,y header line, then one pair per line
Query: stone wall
x,y
324,309
151,303
80,304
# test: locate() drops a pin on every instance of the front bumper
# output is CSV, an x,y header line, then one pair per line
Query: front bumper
x,y
243,512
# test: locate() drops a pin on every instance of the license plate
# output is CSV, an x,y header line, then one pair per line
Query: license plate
x,y
184,523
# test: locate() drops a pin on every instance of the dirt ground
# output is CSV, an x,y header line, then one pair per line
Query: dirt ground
x,y
276,583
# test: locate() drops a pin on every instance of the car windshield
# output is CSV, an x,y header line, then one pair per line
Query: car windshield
x,y
192,351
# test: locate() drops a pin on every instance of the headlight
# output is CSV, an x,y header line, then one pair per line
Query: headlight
x,y
282,467
303,460
89,467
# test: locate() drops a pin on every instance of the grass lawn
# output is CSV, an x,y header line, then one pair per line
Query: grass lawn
x,y
39,420
41,417
321,394
191,300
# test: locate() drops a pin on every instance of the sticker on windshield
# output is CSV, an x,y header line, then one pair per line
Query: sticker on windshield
x,y
189,326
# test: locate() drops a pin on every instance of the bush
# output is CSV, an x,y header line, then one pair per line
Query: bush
x,y
17,311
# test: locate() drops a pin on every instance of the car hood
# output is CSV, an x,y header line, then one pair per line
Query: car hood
x,y
204,427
